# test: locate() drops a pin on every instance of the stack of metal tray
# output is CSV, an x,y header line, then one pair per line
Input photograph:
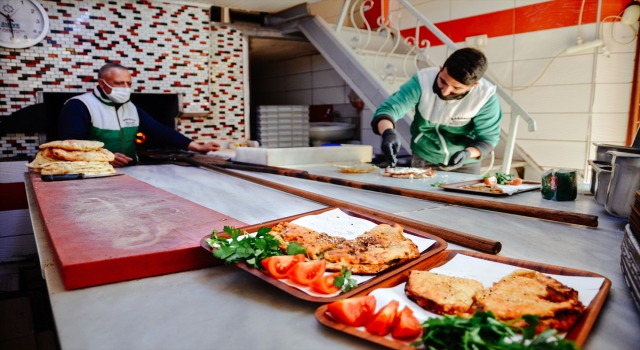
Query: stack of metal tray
x,y
630,262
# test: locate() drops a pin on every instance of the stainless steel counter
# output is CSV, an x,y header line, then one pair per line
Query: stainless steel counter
x,y
227,308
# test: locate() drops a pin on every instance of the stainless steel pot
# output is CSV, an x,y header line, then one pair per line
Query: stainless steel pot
x,y
601,176
603,149
625,181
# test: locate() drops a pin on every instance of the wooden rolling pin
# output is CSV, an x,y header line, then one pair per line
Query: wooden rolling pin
x,y
510,208
453,236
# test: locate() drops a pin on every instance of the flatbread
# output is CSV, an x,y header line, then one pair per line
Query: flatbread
x,y
42,158
442,294
483,188
409,173
87,168
74,145
102,155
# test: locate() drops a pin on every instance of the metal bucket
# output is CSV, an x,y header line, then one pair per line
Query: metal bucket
x,y
625,181
602,151
601,176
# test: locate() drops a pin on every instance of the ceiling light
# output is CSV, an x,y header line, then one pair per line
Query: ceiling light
x,y
631,14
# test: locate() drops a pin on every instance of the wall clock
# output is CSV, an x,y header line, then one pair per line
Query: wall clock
x,y
23,23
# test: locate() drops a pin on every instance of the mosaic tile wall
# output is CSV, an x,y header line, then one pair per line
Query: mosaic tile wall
x,y
226,79
19,144
166,46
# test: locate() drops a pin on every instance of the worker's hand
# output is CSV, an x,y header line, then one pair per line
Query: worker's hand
x,y
457,160
390,146
120,160
207,147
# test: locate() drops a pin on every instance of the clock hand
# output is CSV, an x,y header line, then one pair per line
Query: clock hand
x,y
6,16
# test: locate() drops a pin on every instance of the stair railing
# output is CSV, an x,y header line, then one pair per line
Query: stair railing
x,y
419,49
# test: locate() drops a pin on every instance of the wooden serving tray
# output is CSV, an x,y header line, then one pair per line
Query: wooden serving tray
x,y
437,247
456,187
578,332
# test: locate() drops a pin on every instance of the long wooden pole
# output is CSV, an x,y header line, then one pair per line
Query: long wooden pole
x,y
453,236
509,208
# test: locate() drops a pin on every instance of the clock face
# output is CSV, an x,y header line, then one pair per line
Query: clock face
x,y
23,23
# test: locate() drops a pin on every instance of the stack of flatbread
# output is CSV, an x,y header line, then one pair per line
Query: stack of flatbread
x,y
73,157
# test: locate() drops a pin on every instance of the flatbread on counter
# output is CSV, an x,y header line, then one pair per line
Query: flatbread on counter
x,y
409,172
102,155
42,158
87,168
74,145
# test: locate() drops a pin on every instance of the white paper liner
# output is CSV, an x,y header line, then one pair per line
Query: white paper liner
x,y
510,189
486,272
337,223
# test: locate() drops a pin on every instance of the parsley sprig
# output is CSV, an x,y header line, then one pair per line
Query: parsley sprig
x,y
344,281
241,247
484,332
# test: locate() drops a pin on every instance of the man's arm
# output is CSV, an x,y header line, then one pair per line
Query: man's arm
x,y
74,121
487,126
150,126
397,105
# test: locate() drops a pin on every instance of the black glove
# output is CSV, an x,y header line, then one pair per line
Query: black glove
x,y
457,160
390,146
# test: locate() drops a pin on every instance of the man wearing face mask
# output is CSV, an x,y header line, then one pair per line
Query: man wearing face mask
x,y
457,115
106,114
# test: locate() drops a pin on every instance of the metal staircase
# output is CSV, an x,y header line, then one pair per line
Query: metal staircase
x,y
375,63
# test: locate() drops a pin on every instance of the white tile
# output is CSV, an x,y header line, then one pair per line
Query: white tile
x,y
327,78
297,81
521,3
551,42
574,69
555,99
297,65
622,37
612,98
609,127
554,126
618,68
435,11
438,54
499,49
330,95
557,154
469,8
502,73
506,108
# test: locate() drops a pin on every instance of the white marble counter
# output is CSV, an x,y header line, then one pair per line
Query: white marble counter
x,y
227,308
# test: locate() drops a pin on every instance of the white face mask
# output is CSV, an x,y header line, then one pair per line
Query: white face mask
x,y
118,94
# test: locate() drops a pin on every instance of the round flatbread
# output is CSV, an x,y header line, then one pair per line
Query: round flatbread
x,y
74,145
102,155
87,168
42,158
409,173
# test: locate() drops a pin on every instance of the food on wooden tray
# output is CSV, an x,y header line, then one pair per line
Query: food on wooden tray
x,y
315,243
74,145
279,266
325,284
442,294
357,169
481,187
304,272
502,179
382,321
102,155
525,292
374,251
355,311
73,157
409,173
406,326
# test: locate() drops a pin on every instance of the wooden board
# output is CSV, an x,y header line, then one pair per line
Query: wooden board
x,y
114,229
577,333
434,249
457,187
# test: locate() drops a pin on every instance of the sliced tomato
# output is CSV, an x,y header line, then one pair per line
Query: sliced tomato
x,y
278,266
515,182
382,322
305,272
324,284
354,312
490,181
406,326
